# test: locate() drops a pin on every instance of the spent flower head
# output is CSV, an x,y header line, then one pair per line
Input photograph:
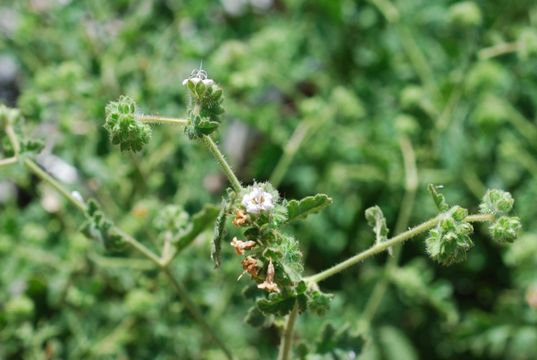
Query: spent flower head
x,y
496,202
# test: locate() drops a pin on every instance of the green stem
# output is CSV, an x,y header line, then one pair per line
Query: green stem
x,y
396,240
43,175
289,153
411,186
287,336
213,148
13,139
8,161
194,310
499,49
155,119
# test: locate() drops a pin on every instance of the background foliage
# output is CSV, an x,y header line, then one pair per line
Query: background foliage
x,y
457,81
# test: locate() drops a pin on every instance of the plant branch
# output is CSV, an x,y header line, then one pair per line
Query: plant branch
x,y
8,161
213,148
289,152
194,310
411,186
155,119
383,246
287,336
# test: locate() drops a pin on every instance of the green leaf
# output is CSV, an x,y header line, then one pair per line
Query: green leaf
x,y
439,199
338,343
299,210
276,304
200,221
256,318
319,302
219,229
375,218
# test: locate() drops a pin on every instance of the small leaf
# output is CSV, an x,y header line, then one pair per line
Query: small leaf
x,y
299,210
200,221
219,228
375,218
256,318
438,198
276,304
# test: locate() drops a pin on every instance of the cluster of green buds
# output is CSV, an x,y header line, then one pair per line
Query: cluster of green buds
x,y
271,258
124,126
449,241
205,107
504,229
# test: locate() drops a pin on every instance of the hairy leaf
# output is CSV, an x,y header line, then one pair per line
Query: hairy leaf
x,y
200,221
300,209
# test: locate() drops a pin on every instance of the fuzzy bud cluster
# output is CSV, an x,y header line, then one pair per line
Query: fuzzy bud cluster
x,y
449,241
123,125
505,229
205,108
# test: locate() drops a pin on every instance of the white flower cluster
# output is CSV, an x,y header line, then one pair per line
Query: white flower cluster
x,y
197,76
257,201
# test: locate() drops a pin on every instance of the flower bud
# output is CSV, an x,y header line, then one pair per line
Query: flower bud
x,y
466,14
8,116
496,202
506,229
450,240
124,127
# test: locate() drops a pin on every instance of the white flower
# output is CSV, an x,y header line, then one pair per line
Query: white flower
x,y
257,201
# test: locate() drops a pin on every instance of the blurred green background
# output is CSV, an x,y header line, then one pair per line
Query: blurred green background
x,y
346,92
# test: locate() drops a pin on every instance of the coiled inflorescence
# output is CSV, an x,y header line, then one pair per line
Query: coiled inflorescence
x,y
505,229
450,240
123,125
205,108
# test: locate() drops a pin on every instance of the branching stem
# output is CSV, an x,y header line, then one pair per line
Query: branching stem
x,y
213,148
383,246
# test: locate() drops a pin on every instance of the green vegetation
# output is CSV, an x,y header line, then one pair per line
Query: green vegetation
x,y
325,184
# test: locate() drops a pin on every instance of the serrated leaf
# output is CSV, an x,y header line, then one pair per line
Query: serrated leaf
x,y
200,221
276,304
439,199
375,218
300,209
219,227
256,318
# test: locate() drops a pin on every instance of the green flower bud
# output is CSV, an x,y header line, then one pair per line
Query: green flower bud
x,y
465,13
8,116
496,202
411,96
172,218
491,112
19,308
205,108
125,129
506,229
139,301
450,240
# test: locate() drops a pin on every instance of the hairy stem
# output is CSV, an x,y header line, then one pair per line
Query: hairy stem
x,y
13,139
287,335
213,148
194,310
141,248
155,119
396,240
44,176
8,161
